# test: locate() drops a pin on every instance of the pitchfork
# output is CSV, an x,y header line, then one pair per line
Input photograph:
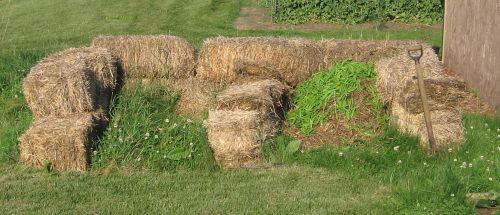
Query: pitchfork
x,y
416,53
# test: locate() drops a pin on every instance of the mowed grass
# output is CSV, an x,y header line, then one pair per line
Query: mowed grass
x,y
370,178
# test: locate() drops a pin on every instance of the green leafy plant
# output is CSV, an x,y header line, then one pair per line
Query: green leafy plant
x,y
328,93
281,149
353,11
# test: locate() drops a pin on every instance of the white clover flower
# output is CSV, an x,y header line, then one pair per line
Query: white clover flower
x,y
498,136
400,161
157,151
138,159
486,124
464,165
115,125
472,127
156,136
425,164
174,126
396,148
470,165
146,138
490,178
191,143
94,152
498,129
147,134
452,195
341,154
481,157
164,156
450,149
455,160
376,152
15,96
167,120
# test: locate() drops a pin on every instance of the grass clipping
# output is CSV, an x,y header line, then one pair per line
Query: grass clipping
x,y
230,59
62,144
339,103
245,116
151,56
73,81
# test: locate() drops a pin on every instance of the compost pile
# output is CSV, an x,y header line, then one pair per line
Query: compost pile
x,y
70,92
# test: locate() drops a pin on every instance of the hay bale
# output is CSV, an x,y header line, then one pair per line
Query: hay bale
x,y
195,96
228,59
64,142
446,124
442,94
246,116
236,136
360,50
396,73
266,95
159,56
73,81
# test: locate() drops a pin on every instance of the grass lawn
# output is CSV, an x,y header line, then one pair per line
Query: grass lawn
x,y
389,175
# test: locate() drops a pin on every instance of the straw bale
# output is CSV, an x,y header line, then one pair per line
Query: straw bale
x,y
446,124
266,95
245,116
442,93
64,142
73,81
160,56
195,96
236,136
360,50
397,72
228,59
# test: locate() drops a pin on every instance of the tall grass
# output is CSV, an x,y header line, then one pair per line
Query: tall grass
x,y
145,133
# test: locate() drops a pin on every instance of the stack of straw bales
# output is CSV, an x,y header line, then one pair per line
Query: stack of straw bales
x,y
151,56
69,94
398,89
288,60
245,116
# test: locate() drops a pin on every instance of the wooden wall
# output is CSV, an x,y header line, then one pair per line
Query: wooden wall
x,y
471,45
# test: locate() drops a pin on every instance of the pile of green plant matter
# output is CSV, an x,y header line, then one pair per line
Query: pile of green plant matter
x,y
329,93
353,11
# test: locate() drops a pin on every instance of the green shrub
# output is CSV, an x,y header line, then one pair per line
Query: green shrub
x,y
353,11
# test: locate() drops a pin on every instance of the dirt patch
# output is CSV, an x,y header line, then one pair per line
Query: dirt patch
x,y
258,18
